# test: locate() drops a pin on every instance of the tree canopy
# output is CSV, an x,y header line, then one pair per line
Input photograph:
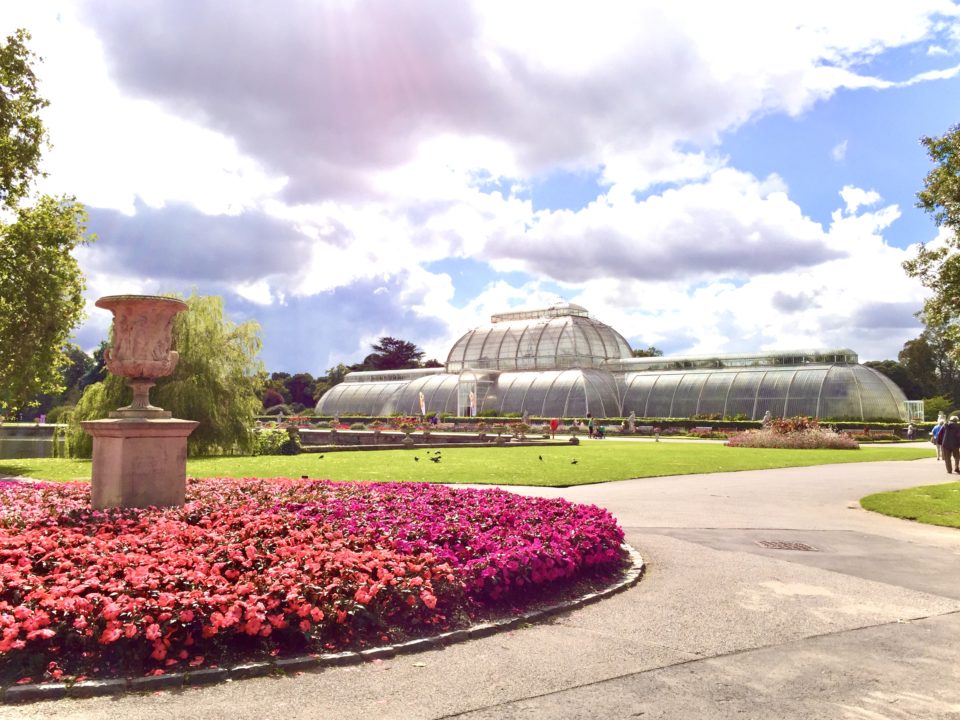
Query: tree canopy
x,y
938,266
652,351
41,299
393,354
215,383
22,133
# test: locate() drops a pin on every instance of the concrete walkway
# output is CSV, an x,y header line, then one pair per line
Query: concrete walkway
x,y
864,625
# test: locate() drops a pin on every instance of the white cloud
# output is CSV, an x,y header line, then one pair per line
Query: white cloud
x,y
839,151
856,198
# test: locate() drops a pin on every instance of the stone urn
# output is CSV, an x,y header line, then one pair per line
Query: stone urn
x,y
140,451
140,351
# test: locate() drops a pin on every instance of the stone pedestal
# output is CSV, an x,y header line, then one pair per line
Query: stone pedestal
x,y
139,462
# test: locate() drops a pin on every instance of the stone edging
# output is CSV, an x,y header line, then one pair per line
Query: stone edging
x,y
115,686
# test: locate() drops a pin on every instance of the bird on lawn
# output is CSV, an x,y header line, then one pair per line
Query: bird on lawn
x,y
416,459
320,457
304,477
574,461
435,459
540,457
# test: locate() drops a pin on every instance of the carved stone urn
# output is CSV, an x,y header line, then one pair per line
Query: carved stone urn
x,y
140,451
140,352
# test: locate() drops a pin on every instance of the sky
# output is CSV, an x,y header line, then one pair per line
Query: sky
x,y
704,177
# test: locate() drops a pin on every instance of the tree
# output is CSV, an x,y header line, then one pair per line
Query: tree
x,y
938,268
301,388
98,371
41,297
336,374
22,134
270,398
215,383
651,351
393,354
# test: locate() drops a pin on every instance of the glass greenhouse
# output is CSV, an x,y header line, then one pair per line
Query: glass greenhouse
x,y
560,362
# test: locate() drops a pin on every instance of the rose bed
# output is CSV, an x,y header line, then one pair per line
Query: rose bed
x,y
249,569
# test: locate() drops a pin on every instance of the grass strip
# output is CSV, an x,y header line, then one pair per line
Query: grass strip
x,y
930,504
590,462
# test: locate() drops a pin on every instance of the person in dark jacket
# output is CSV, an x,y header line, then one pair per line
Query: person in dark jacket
x,y
950,443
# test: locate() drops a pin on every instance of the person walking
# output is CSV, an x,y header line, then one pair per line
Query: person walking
x,y
554,424
935,436
590,425
950,443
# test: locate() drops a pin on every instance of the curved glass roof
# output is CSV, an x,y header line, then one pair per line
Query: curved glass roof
x,y
853,392
559,337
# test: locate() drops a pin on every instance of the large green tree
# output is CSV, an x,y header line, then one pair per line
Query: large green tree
x,y
22,134
41,299
938,265
215,383
393,354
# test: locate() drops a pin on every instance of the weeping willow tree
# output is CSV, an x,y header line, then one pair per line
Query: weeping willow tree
x,y
214,383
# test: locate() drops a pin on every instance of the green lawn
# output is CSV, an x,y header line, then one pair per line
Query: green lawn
x,y
595,462
930,504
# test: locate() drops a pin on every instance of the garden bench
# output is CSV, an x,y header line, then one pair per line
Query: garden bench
x,y
645,429
703,429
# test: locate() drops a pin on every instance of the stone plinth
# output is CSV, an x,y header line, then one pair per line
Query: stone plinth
x,y
139,462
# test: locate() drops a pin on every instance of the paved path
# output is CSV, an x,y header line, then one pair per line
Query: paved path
x,y
864,626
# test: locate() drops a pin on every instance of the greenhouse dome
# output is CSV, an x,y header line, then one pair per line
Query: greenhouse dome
x,y
560,362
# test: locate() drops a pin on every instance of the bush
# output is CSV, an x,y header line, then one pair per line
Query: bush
x,y
358,426
56,413
270,441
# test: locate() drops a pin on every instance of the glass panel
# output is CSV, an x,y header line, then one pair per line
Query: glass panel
x,y
493,398
713,398
686,400
881,397
507,354
514,397
547,348
602,398
445,396
455,358
661,396
471,356
555,402
804,394
527,347
839,399
576,403
490,351
772,396
638,393
537,394
743,393
566,347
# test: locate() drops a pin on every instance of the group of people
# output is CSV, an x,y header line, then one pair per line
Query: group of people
x,y
946,436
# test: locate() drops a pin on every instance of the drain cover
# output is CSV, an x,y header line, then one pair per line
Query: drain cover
x,y
785,545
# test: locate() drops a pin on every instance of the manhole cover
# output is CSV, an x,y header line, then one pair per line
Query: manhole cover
x,y
785,545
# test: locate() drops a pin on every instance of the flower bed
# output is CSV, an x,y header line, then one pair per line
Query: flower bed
x,y
250,569
797,433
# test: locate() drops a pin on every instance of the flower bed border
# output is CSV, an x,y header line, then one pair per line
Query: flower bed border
x,y
32,692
